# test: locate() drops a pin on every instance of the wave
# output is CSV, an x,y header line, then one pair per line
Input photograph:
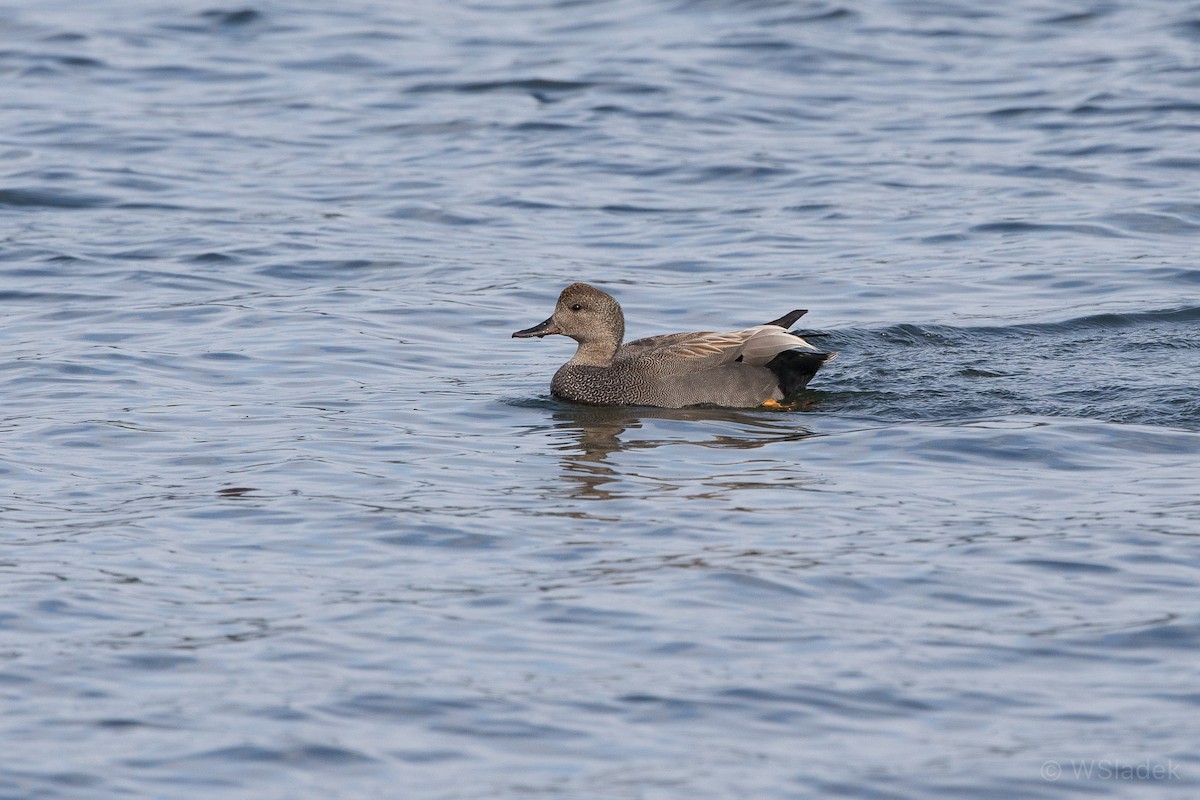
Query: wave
x,y
1134,367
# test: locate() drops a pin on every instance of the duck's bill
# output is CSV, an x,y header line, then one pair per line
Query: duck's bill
x,y
541,329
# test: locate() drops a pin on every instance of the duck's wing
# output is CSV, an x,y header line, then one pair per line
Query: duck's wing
x,y
692,352
661,341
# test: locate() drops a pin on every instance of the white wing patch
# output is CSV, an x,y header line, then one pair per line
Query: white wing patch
x,y
767,341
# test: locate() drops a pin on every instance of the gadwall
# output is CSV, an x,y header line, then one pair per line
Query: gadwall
x,y
761,366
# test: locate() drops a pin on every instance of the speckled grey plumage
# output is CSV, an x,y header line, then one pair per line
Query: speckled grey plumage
x,y
738,369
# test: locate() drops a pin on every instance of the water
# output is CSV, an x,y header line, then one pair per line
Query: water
x,y
285,513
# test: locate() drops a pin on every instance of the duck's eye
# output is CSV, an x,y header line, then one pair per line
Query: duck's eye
x,y
577,307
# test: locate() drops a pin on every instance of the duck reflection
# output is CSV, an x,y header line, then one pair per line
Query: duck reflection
x,y
590,434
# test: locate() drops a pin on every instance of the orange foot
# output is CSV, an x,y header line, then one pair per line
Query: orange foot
x,y
775,405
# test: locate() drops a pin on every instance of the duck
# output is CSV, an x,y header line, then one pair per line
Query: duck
x,y
761,366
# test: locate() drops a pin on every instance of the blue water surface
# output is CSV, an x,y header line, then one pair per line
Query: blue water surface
x,y
284,512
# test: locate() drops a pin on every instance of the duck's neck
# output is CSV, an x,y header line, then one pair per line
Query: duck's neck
x,y
595,353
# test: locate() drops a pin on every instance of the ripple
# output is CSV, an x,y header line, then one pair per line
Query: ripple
x,y
48,198
1023,227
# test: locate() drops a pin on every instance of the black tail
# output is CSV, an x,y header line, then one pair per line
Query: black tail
x,y
795,368
789,318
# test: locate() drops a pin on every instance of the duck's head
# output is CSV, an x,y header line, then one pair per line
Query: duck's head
x,y
589,316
